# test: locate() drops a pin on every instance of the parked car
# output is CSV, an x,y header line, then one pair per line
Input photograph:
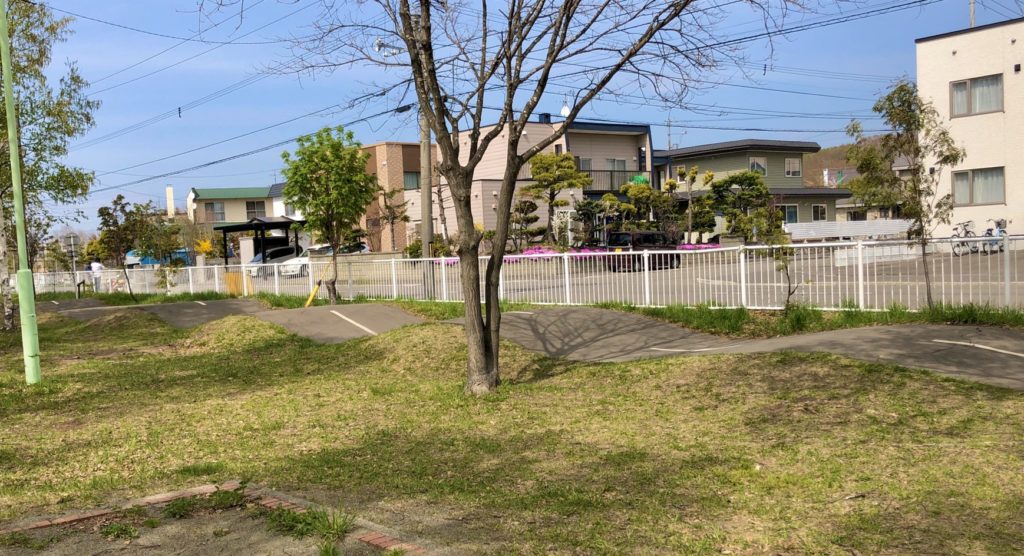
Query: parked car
x,y
638,242
299,266
274,256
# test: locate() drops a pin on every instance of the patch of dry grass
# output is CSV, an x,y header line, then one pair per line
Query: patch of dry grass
x,y
233,333
779,453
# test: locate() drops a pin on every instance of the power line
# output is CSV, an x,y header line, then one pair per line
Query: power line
x,y
194,56
154,33
236,156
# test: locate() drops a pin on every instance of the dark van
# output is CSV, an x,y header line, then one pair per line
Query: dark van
x,y
638,242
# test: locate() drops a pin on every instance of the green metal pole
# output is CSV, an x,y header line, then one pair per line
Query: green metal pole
x,y
26,293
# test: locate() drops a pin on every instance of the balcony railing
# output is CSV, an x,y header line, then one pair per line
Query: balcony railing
x,y
602,180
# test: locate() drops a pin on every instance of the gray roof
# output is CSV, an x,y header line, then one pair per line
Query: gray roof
x,y
276,190
742,145
969,30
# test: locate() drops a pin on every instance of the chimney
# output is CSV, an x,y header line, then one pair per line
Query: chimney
x,y
544,118
170,201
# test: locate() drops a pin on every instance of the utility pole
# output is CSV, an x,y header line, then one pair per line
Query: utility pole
x,y
26,293
669,126
426,191
972,13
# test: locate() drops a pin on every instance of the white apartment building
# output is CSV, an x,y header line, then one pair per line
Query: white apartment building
x,y
974,79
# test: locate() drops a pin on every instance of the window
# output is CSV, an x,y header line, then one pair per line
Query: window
x,y
558,149
585,164
856,216
819,213
794,167
616,163
976,96
214,212
411,180
289,210
759,164
790,213
883,213
985,186
254,209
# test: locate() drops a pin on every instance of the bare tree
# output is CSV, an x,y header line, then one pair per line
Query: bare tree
x,y
468,59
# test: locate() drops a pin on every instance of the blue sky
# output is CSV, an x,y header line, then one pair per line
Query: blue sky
x,y
852,60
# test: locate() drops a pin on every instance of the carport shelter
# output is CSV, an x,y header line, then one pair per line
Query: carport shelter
x,y
260,225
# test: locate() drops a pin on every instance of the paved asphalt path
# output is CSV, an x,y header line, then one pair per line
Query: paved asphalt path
x,y
181,315
332,324
990,355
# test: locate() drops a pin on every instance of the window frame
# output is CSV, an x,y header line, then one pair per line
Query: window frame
x,y
824,207
406,176
750,164
210,208
799,168
970,96
613,162
783,206
970,187
254,212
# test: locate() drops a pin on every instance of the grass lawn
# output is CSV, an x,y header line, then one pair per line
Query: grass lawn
x,y
799,319
778,453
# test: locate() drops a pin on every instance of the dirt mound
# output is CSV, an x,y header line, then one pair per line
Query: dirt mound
x,y
233,333
124,319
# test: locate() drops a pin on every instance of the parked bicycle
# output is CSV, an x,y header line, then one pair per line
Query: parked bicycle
x,y
965,230
996,245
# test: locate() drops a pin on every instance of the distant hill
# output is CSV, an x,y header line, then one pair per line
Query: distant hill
x,y
832,158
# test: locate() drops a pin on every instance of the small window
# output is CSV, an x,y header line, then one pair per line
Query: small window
x,y
790,213
585,164
984,186
289,209
976,96
794,167
254,209
411,180
759,164
558,149
214,212
883,213
819,213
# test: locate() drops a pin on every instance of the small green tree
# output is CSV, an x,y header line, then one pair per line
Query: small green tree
x,y
552,174
587,212
918,138
524,216
122,225
392,212
745,201
327,181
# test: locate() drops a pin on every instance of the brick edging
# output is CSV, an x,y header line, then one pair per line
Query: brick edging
x,y
260,497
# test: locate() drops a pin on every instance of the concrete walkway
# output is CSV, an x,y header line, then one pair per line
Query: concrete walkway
x,y
984,354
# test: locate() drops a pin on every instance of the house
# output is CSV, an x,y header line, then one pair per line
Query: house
x,y
227,205
612,154
973,79
780,162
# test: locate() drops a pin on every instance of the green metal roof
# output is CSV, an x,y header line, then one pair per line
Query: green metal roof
x,y
232,192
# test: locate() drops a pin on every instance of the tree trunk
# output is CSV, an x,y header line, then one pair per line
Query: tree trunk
x,y
440,211
332,281
927,273
5,276
549,233
391,228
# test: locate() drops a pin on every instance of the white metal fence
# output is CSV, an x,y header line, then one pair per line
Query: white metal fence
x,y
867,274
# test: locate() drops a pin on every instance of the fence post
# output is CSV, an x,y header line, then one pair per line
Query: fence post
x,y
444,280
1007,292
216,281
309,274
277,278
394,281
861,302
351,293
568,282
647,278
743,275
501,283
191,286
245,283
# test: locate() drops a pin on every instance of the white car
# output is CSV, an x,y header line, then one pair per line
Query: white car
x,y
299,266
274,256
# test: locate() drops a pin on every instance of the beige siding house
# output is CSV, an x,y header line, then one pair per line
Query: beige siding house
x,y
781,163
227,205
613,154
974,79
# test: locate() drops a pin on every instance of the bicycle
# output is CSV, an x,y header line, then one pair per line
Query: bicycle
x,y
996,245
964,230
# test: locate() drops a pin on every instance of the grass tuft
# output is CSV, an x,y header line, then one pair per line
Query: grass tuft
x,y
181,508
328,525
203,469
21,540
225,500
118,530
